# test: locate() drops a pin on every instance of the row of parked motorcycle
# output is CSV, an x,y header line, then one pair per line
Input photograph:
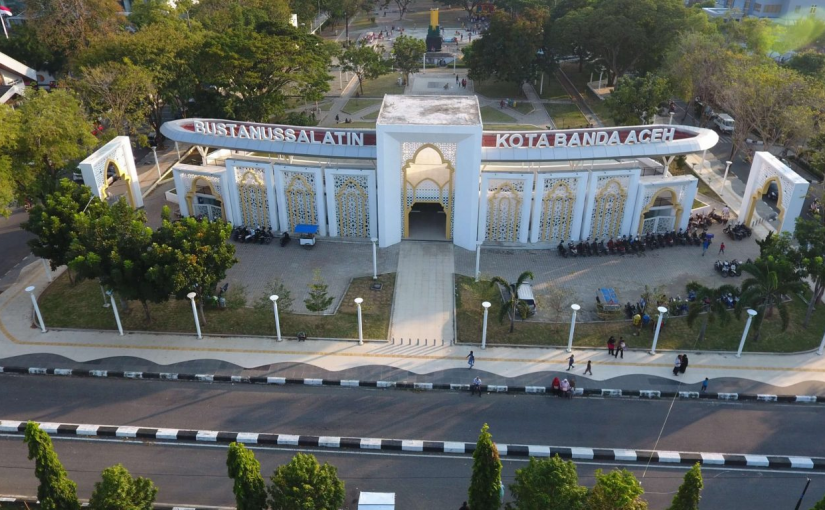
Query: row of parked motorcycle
x,y
630,244
729,267
257,235
678,305
737,232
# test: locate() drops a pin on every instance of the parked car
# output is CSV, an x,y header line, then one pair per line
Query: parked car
x,y
525,294
724,123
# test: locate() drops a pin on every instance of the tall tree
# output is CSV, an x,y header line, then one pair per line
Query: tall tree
x,y
616,490
366,62
690,492
637,99
513,305
68,27
408,52
708,302
248,484
53,133
811,237
28,47
572,33
56,491
469,6
548,484
9,125
219,16
485,484
771,279
120,491
306,485
402,5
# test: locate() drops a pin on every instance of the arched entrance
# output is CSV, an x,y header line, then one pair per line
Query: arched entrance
x,y
204,201
662,213
116,178
428,195
770,194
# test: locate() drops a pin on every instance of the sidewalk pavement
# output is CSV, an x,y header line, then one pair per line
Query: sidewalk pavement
x,y
22,344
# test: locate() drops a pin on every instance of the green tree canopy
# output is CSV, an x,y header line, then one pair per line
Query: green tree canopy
x,y
548,484
637,99
770,279
248,484
709,302
304,484
408,52
219,17
616,490
68,28
811,237
56,491
28,47
366,62
690,492
485,483
120,491
9,124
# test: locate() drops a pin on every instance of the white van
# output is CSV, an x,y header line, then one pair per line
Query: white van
x,y
525,293
724,123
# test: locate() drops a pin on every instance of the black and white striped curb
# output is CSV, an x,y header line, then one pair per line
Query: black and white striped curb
x,y
416,445
28,502
490,388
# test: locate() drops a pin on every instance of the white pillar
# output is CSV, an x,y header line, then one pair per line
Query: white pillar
x,y
671,118
117,315
478,258
105,301
374,258
358,302
157,164
30,290
575,308
47,269
821,346
177,149
191,297
541,86
274,300
751,315
725,178
486,306
662,311
704,158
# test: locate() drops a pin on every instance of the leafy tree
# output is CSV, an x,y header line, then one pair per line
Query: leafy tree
x,y
485,484
616,490
513,305
809,63
304,484
403,6
820,505
53,133
708,302
275,288
245,471
572,33
756,34
28,47
120,491
117,93
9,124
54,222
219,17
548,484
811,237
771,279
687,498
154,12
468,5
408,53
56,491
366,62
637,98
318,300
68,27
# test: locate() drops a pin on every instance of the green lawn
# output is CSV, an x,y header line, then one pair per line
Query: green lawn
x,y
325,105
371,116
512,127
494,115
552,88
675,335
494,89
79,306
566,116
523,107
356,104
382,85
361,125
579,80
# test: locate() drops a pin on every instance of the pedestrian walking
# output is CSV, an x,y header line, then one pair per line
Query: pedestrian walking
x,y
705,385
570,362
684,365
501,104
456,79
476,387
611,345
471,359
721,248
464,506
677,364
337,119
705,245
589,369
620,350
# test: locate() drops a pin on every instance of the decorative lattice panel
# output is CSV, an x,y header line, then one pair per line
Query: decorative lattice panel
x,y
608,208
557,205
352,209
252,194
188,179
299,190
504,200
665,224
448,150
649,226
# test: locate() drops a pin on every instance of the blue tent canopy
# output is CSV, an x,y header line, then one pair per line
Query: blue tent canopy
x,y
304,228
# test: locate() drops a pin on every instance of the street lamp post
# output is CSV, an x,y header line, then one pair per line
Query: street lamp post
x,y
346,24
751,315
177,149
374,258
486,306
47,269
274,300
191,297
662,311
358,302
157,163
821,346
725,178
30,290
575,309
114,309
671,118
478,258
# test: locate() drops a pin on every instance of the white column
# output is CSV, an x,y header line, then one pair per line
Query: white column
x,y
751,315
725,178
575,308
541,87
358,302
478,258
157,164
117,315
374,258
671,119
486,306
177,149
30,290
274,300
191,297
821,346
704,158
47,269
662,311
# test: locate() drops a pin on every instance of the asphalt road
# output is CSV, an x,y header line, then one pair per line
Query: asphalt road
x,y
197,475
771,429
13,245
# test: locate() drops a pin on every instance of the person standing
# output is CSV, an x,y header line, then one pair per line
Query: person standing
x,y
677,364
456,79
570,362
464,506
705,385
684,364
611,345
721,248
471,359
620,350
705,245
589,369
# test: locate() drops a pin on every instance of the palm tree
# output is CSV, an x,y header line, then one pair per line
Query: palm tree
x,y
708,301
514,304
770,281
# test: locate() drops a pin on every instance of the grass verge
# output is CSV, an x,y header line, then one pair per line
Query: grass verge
x,y
552,89
494,115
494,89
79,306
386,84
566,116
355,105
